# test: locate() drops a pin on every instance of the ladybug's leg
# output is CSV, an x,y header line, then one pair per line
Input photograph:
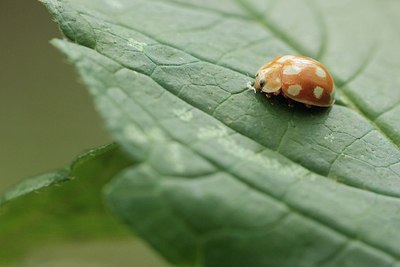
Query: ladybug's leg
x,y
290,102
277,92
268,95
308,106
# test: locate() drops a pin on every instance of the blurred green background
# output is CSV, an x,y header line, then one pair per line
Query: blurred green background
x,y
47,119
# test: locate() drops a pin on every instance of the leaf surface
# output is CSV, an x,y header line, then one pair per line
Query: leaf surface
x,y
226,177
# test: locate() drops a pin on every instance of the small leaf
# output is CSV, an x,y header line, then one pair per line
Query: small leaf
x,y
80,167
228,178
35,183
66,211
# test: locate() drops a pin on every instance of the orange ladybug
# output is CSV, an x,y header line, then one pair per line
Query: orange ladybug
x,y
302,79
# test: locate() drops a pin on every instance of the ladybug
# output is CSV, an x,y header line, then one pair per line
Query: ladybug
x,y
300,78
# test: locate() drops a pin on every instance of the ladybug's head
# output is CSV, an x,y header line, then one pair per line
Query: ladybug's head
x,y
268,79
258,82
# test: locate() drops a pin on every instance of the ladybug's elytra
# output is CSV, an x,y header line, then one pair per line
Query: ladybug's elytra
x,y
299,78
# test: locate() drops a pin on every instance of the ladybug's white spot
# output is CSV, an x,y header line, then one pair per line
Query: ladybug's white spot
x,y
320,72
292,70
272,86
265,71
294,90
318,92
285,58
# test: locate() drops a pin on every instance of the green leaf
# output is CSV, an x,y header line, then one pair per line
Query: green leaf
x,y
35,183
78,168
69,211
229,178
